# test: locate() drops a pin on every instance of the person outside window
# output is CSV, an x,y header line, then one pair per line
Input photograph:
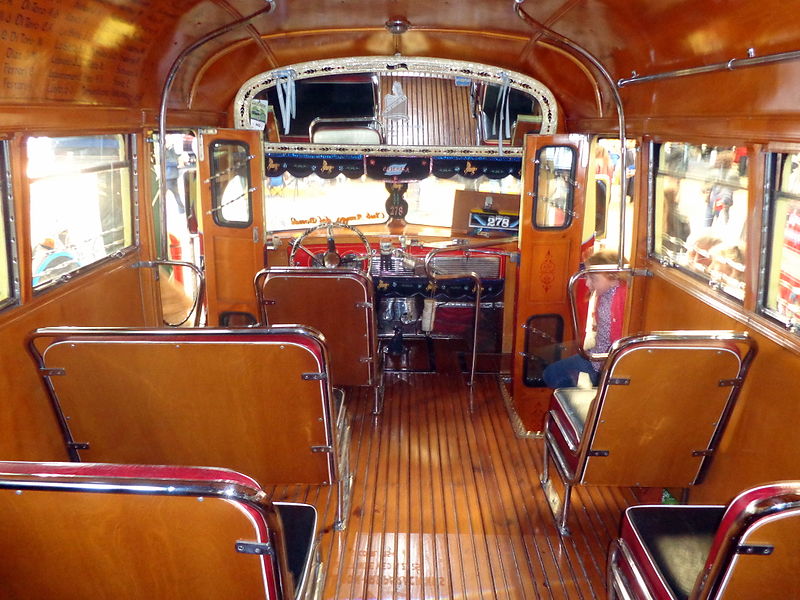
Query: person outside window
x,y
603,324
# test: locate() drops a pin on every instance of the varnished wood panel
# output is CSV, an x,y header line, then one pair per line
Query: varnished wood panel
x,y
447,504
112,295
438,113
340,307
242,406
670,408
548,256
89,545
234,252
757,447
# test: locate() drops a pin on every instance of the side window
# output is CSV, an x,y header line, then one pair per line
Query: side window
x,y
781,290
7,273
554,191
231,200
80,202
700,215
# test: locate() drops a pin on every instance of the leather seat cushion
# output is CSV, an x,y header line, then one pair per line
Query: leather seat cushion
x,y
675,540
299,532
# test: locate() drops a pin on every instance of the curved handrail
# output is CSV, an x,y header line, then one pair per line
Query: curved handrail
x,y
579,50
167,87
199,299
434,277
573,301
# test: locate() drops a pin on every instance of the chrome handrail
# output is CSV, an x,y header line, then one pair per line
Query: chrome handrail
x,y
199,299
573,301
434,277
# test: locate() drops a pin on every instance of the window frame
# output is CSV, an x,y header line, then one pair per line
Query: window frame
x,y
666,260
772,182
569,208
9,219
216,200
131,159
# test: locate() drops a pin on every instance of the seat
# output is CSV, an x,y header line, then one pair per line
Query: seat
x,y
654,420
355,130
748,549
256,400
339,303
138,532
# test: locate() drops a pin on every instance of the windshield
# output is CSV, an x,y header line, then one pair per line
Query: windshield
x,y
301,202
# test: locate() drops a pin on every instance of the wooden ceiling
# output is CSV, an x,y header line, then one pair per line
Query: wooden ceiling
x,y
117,53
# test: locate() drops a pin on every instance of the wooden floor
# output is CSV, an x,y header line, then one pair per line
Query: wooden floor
x,y
446,504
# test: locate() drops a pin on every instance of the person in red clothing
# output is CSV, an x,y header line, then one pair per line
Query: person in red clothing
x,y
606,310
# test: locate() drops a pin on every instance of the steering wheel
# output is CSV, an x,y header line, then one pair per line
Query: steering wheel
x,y
331,258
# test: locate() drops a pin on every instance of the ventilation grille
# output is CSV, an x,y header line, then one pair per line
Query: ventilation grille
x,y
487,267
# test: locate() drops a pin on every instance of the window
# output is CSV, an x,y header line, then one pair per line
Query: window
x,y
555,191
701,206
782,287
602,205
323,97
7,287
80,202
231,196
301,202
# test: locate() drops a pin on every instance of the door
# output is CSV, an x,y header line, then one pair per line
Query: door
x,y
232,216
551,227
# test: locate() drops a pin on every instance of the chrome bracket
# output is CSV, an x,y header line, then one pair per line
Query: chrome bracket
x,y
363,304
619,381
268,302
258,548
314,376
47,372
730,382
598,453
78,445
759,549
317,449
702,452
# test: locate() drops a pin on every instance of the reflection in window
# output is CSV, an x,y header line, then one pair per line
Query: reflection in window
x,y
80,202
701,211
231,199
602,205
555,174
6,273
782,294
298,203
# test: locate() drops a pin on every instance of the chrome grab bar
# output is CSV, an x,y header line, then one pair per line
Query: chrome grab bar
x,y
434,277
199,299
573,301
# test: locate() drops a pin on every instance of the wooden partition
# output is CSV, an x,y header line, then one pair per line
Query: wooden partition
x,y
339,303
112,294
257,401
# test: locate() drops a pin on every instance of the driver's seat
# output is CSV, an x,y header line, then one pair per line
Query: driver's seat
x,y
337,302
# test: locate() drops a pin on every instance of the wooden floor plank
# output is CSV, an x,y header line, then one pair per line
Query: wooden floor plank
x,y
446,503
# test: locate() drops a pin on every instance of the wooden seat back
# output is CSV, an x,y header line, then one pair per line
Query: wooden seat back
x,y
663,400
253,400
755,551
138,532
337,302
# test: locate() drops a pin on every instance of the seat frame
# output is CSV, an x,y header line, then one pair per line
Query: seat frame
x,y
374,358
334,447
572,475
627,578
197,482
